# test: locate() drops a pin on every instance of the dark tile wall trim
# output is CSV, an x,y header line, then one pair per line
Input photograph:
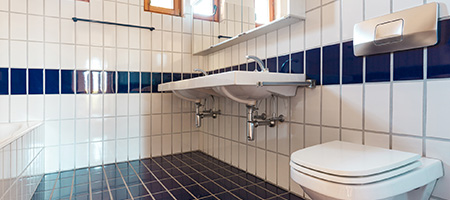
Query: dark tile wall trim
x,y
4,80
352,66
438,56
378,68
330,62
313,65
408,65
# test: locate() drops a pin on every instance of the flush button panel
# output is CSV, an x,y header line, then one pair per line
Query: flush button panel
x,y
408,29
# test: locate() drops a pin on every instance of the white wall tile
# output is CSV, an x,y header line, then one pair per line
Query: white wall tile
x,y
297,37
313,29
329,134
352,99
352,136
331,105
312,106
18,26
402,5
331,23
437,109
18,112
408,144
376,139
35,28
312,135
407,108
377,100
376,8
35,107
352,13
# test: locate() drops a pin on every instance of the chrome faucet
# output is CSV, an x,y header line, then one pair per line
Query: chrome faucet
x,y
260,63
202,71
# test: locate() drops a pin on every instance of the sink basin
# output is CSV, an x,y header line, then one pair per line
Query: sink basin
x,y
241,86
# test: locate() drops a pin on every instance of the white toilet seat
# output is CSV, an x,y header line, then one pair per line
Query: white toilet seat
x,y
358,180
429,171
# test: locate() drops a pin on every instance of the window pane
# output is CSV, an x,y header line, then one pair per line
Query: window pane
x,y
262,11
204,7
162,3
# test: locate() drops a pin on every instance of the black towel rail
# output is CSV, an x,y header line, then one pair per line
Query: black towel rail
x,y
75,19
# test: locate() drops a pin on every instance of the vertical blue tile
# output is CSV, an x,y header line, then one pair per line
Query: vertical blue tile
x,y
331,64
146,82
18,81
216,71
82,82
251,66
51,81
134,82
4,81
438,56
284,64
228,69
408,65
35,81
167,77
122,82
378,68
195,75
235,68
352,69
272,64
220,71
187,76
109,79
297,63
313,65
243,67
96,82
176,76
67,79
156,80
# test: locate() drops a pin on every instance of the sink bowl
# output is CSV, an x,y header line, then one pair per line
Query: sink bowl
x,y
241,86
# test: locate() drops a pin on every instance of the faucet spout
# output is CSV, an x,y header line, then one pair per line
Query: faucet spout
x,y
262,67
202,71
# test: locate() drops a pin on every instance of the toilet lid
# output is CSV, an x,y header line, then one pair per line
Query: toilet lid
x,y
352,160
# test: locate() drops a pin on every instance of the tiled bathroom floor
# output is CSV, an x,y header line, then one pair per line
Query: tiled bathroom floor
x,y
193,175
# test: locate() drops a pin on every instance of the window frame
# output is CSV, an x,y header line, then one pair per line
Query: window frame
x,y
176,11
213,18
271,12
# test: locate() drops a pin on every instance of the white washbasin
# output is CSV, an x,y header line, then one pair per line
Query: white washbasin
x,y
241,86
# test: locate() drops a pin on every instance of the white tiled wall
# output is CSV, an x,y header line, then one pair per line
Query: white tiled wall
x,y
405,115
92,129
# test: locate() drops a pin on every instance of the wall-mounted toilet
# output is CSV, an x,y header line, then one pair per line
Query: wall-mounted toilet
x,y
342,170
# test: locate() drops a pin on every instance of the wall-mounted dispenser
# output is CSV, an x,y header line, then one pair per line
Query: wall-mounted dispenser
x,y
408,29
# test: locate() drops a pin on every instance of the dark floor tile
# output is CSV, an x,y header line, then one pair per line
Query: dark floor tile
x,y
224,172
132,180
81,197
252,178
61,183
260,192
291,196
103,195
226,196
42,195
138,190
163,195
85,171
226,184
116,183
181,194
66,174
161,174
127,172
80,189
212,175
198,191
44,186
110,167
187,170
184,180
50,177
155,187
272,188
98,177
121,193
174,172
212,187
240,181
208,198
61,193
82,179
112,174
198,177
170,183
243,194
99,186
147,197
147,177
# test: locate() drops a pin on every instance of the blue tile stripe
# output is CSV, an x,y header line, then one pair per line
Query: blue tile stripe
x,y
408,65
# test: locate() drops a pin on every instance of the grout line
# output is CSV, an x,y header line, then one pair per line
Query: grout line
x,y
159,181
73,182
124,182
107,182
137,174
54,186
90,183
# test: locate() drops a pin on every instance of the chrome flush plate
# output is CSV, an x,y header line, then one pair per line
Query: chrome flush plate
x,y
408,29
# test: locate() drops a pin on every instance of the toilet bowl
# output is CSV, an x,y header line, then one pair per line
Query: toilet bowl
x,y
342,170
